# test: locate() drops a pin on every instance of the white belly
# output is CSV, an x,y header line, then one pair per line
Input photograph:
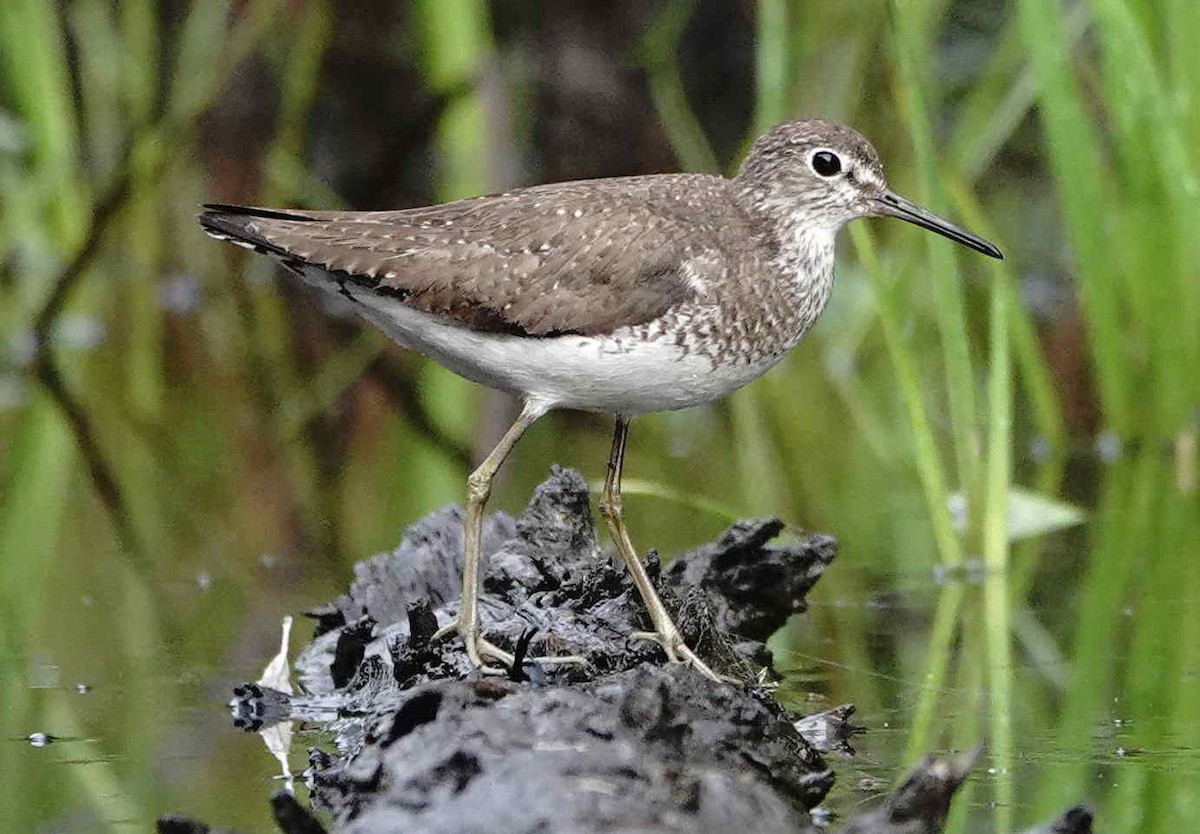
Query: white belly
x,y
613,374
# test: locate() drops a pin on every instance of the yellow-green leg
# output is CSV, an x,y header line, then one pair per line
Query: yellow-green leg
x,y
665,633
479,488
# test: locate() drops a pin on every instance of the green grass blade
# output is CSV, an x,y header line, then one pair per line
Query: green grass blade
x,y
456,40
658,51
94,33
928,462
1074,155
772,64
1026,348
995,555
194,70
910,43
1002,96
939,651
41,460
299,88
1162,203
33,71
140,58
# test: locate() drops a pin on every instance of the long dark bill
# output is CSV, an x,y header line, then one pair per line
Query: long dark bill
x,y
891,204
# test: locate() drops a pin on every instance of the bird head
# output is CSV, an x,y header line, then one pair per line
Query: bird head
x,y
822,175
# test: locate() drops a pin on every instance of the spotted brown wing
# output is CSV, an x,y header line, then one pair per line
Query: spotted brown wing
x,y
584,257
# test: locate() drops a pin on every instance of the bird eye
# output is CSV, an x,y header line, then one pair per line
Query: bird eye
x,y
826,163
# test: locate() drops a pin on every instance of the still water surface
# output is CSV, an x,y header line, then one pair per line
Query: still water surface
x,y
139,726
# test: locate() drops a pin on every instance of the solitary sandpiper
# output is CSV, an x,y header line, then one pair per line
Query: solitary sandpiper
x,y
622,296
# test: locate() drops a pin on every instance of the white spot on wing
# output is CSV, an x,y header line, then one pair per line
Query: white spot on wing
x,y
699,269
692,276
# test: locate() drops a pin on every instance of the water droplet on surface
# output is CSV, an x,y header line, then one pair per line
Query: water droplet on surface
x,y
957,505
83,333
1040,449
179,293
1108,446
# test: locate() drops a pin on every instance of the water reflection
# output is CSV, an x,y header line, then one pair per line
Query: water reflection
x,y
1093,720
115,710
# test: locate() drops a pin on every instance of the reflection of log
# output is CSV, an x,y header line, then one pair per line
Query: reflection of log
x,y
624,745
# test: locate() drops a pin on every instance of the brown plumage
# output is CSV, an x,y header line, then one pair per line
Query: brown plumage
x,y
583,258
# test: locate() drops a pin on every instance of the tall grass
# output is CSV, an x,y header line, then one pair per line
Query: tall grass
x,y
192,443
88,211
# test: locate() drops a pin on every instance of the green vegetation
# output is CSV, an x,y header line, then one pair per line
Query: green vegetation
x,y
145,443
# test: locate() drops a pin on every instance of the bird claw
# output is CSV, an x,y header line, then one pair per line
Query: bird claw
x,y
678,652
479,648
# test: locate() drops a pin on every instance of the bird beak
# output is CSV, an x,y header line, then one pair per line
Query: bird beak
x,y
890,204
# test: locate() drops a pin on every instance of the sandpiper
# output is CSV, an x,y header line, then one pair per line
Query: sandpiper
x,y
622,296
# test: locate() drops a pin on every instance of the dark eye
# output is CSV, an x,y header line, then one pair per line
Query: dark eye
x,y
826,163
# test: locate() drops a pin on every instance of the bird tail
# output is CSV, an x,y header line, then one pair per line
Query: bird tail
x,y
237,225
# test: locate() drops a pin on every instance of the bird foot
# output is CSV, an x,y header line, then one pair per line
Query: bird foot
x,y
479,648
678,652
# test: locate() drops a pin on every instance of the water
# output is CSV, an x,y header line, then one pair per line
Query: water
x,y
236,419
1095,721
130,682
137,718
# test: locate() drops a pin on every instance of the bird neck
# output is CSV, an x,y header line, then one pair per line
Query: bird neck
x,y
801,232
800,241
804,261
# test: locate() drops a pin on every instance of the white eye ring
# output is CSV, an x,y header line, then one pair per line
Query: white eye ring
x,y
825,163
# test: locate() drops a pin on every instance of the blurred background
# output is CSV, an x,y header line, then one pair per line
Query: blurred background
x,y
193,446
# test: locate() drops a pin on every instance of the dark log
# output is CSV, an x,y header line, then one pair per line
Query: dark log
x,y
628,743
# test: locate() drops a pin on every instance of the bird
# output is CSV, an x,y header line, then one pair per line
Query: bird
x,y
622,296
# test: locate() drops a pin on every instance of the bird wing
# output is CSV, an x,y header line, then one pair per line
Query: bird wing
x,y
584,257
